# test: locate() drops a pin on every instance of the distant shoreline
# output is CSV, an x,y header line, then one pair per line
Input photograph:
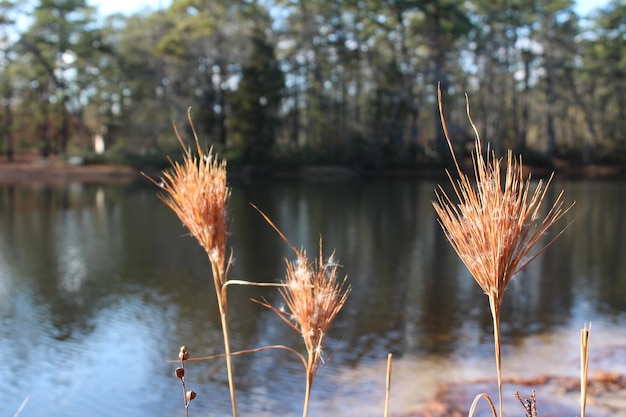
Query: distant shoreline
x,y
54,170
58,171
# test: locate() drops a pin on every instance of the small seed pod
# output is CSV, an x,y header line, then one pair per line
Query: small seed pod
x,y
190,395
183,355
180,372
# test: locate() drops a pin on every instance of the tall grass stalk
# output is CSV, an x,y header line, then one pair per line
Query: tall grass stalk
x,y
584,365
495,224
388,385
313,297
197,191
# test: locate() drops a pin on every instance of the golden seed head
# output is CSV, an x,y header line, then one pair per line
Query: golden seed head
x,y
314,296
197,191
495,223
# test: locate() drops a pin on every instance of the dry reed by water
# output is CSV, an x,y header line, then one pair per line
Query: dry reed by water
x,y
313,297
496,224
197,191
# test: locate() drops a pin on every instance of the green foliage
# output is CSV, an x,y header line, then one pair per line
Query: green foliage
x,y
256,102
350,82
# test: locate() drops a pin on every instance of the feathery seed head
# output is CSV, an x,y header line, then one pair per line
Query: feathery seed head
x,y
316,300
496,223
197,191
313,296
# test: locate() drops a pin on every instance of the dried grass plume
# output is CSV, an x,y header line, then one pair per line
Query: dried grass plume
x,y
496,222
313,296
197,191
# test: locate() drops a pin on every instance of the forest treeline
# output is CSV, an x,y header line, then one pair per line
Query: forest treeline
x,y
350,82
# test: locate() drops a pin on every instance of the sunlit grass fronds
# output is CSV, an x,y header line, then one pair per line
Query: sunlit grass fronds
x,y
197,191
313,296
494,223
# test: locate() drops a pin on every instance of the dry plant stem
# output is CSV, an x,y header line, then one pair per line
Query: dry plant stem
x,y
584,356
186,402
248,351
310,375
475,403
183,355
223,308
495,314
388,384
530,405
21,407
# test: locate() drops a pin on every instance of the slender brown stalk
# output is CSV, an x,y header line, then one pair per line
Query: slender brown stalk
x,y
248,351
197,191
313,296
388,385
584,364
495,224
472,409
495,315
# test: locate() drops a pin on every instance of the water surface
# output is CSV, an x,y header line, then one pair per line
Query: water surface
x,y
100,285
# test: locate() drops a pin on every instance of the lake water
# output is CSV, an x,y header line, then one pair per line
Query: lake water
x,y
100,285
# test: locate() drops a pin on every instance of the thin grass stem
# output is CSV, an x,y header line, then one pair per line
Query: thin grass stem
x,y
472,409
223,309
310,375
495,314
248,351
388,385
584,363
21,407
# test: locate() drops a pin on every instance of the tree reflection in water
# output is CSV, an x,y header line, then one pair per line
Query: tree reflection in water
x,y
100,285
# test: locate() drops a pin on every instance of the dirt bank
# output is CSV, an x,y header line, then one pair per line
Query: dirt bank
x,y
556,396
54,170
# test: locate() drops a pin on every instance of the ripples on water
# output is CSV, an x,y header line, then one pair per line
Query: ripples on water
x,y
99,286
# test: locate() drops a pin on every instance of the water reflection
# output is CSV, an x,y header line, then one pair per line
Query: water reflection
x,y
100,285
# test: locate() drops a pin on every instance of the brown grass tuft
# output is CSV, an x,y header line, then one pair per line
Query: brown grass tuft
x,y
313,297
197,191
496,224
